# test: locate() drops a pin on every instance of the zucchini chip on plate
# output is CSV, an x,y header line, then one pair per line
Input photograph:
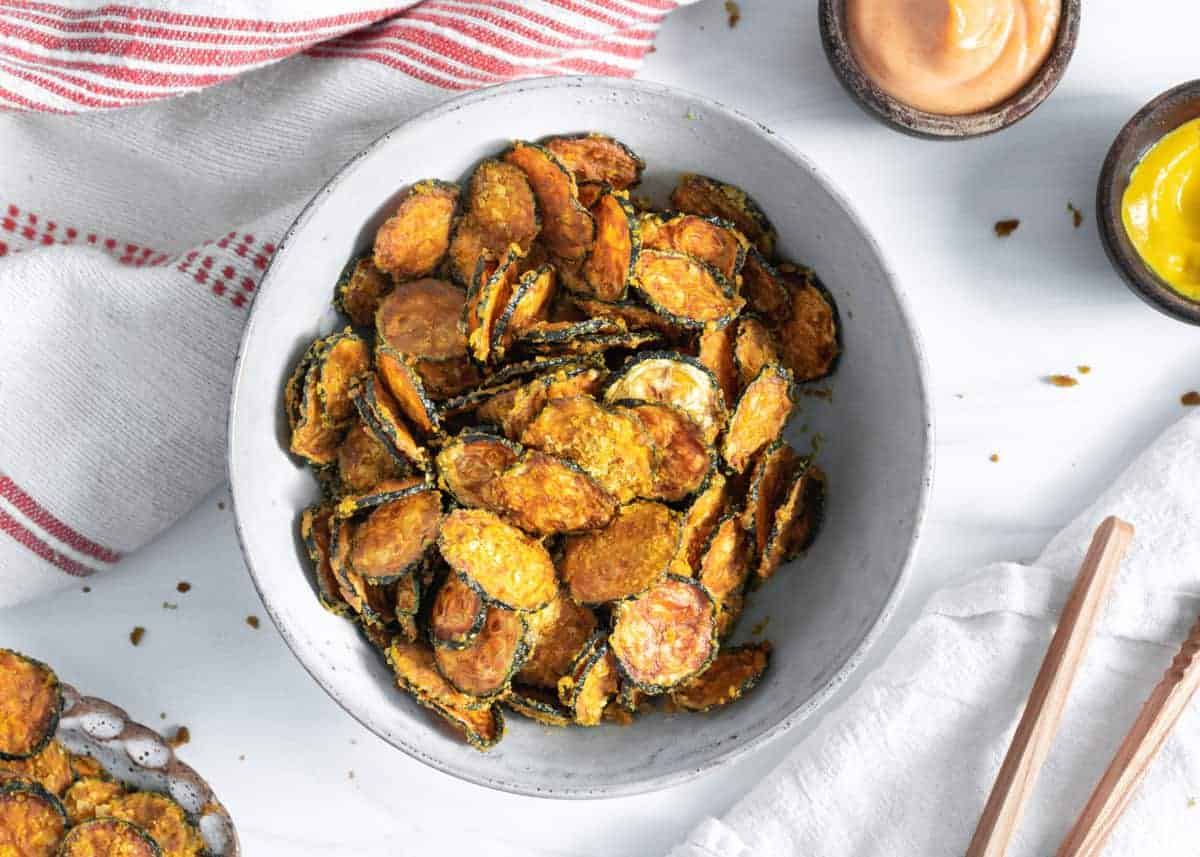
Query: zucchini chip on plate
x,y
380,413
30,702
684,290
772,474
709,239
796,520
699,522
625,558
363,461
724,569
716,351
514,409
485,667
761,413
613,448
162,818
396,537
315,532
598,159
610,262
567,228
529,304
32,821
732,675
469,462
765,291
505,566
558,633
50,768
810,338
87,794
685,463
673,379
695,194
545,495
418,323
457,615
359,290
492,288
665,635
754,348
413,241
109,836
537,704
500,210
590,684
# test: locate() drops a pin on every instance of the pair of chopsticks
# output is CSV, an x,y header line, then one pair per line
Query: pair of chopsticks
x,y
1035,733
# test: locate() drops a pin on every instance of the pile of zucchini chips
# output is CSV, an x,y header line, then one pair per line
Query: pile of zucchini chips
x,y
54,803
550,442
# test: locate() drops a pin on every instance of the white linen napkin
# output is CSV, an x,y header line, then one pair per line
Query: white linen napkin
x,y
132,240
903,768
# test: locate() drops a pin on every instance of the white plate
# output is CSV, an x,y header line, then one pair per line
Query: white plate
x,y
825,610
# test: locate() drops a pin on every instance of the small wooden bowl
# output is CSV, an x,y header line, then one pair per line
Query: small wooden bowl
x,y
937,126
1165,113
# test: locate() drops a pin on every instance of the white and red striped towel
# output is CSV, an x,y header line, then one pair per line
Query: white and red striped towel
x,y
131,239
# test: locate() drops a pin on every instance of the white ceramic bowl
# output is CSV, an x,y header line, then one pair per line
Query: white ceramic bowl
x,y
825,611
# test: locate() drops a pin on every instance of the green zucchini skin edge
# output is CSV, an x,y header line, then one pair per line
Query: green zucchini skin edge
x,y
714,458
598,343
658,689
592,653
746,686
749,524
145,837
485,292
541,711
330,601
343,281
51,727
635,244
526,282
569,464
495,602
473,738
367,502
566,335
802,469
683,321
520,656
428,405
365,401
35,790
471,636
327,345
294,389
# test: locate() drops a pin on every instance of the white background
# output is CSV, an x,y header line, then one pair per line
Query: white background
x,y
302,778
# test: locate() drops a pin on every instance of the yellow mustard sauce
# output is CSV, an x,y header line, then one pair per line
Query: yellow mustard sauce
x,y
1161,208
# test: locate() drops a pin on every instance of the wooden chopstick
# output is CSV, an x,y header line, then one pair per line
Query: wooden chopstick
x,y
1149,732
1043,711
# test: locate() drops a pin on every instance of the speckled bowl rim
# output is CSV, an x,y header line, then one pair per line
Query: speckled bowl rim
x,y
936,126
907,319
1110,188
175,774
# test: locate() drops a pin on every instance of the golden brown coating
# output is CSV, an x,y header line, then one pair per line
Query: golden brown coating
x,y
666,635
558,633
684,461
698,524
598,159
506,566
754,348
108,837
363,461
703,238
88,794
609,265
472,460
420,319
162,818
50,768
809,338
687,291
717,352
762,411
485,667
567,228
545,495
360,290
396,537
32,822
30,701
413,241
733,673
457,614
701,195
625,558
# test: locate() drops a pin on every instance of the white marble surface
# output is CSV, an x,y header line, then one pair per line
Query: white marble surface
x,y
301,778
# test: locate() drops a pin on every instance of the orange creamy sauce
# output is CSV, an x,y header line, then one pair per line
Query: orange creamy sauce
x,y
952,56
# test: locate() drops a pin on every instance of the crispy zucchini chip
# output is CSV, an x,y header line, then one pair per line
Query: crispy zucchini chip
x,y
529,304
359,290
563,333
625,558
470,461
396,537
754,348
614,448
483,728
407,595
686,291
591,683
446,377
363,461
700,521
30,702
761,413
87,795
513,410
506,567
457,615
413,241
50,768
294,390
86,766
772,473
708,197
567,228
352,505
685,462
724,569
717,353
610,262
416,671
420,320
708,239
733,674
162,818
108,837
371,602
666,635
312,439
634,316
810,338
596,343
486,666
402,380
764,289
796,520
544,495
537,704
380,413
597,158
673,379
32,821
501,210
558,633
589,192
343,357
315,522
492,289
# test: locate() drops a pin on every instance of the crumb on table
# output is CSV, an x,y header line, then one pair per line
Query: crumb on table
x,y
87,589
1084,369
1190,399
135,636
1076,215
253,622
734,12
994,457
182,586
182,736
1061,380
1004,228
